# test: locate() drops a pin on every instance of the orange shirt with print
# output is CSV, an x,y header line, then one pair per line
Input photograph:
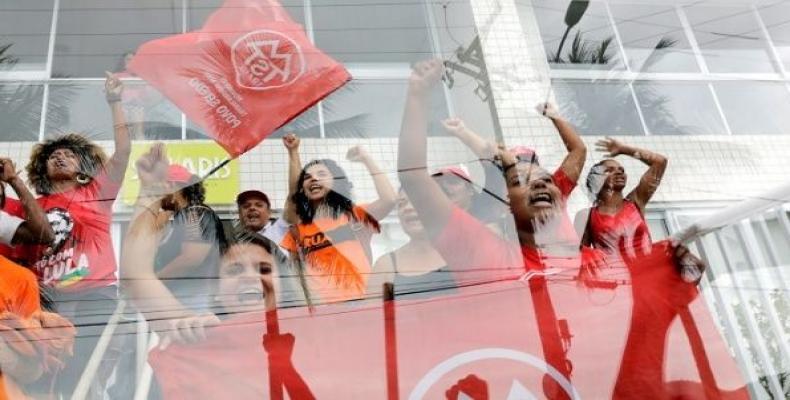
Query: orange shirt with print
x,y
336,254
19,295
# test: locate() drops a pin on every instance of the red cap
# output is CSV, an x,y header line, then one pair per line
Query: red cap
x,y
456,170
525,154
178,174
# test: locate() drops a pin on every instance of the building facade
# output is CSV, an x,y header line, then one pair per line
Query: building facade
x,y
707,83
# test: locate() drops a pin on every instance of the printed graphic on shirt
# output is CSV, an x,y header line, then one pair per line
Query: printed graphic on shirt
x,y
59,267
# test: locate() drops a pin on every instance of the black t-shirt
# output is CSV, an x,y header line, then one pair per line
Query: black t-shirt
x,y
198,224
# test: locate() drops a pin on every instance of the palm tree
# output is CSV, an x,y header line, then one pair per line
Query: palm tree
x,y
607,117
573,15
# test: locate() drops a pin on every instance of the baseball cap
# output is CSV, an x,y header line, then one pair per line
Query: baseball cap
x,y
252,194
457,170
525,154
178,174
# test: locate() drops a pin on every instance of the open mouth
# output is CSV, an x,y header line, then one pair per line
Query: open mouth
x,y
251,295
541,200
315,188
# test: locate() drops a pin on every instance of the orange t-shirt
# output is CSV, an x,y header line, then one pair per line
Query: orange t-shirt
x,y
18,295
335,251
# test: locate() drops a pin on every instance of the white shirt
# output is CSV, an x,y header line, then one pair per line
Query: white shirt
x,y
8,226
275,231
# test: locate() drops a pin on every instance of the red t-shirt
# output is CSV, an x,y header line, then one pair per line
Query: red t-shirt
x,y
82,255
565,184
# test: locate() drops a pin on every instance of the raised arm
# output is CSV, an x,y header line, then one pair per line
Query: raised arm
x,y
482,148
431,203
291,143
149,295
386,193
648,183
494,186
35,228
116,166
577,151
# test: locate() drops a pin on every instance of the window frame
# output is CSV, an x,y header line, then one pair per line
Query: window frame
x,y
629,76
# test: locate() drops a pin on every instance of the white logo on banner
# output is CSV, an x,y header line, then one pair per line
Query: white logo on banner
x,y
267,59
517,390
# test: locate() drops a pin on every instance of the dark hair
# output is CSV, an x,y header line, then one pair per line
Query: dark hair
x,y
91,156
253,238
338,199
252,194
194,194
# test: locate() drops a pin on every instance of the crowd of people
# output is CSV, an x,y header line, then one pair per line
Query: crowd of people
x,y
185,272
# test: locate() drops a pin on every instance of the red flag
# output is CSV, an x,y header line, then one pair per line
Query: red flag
x,y
247,72
652,337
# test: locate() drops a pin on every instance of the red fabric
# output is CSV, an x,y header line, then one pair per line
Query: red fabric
x,y
83,256
565,184
247,72
624,232
490,341
541,336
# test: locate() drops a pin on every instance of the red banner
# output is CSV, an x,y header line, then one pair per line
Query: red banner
x,y
545,337
247,72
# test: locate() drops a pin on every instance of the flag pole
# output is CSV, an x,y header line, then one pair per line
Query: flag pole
x,y
390,341
216,168
551,339
272,330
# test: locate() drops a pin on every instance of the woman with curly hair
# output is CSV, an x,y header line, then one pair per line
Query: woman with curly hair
x,y
78,184
331,234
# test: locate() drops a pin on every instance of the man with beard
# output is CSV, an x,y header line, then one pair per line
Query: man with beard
x,y
191,242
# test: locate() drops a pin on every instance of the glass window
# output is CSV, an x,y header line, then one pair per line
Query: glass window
x,y
775,19
755,107
199,10
598,108
94,35
372,31
25,26
455,25
20,111
374,108
81,107
658,229
584,42
730,39
678,108
653,38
